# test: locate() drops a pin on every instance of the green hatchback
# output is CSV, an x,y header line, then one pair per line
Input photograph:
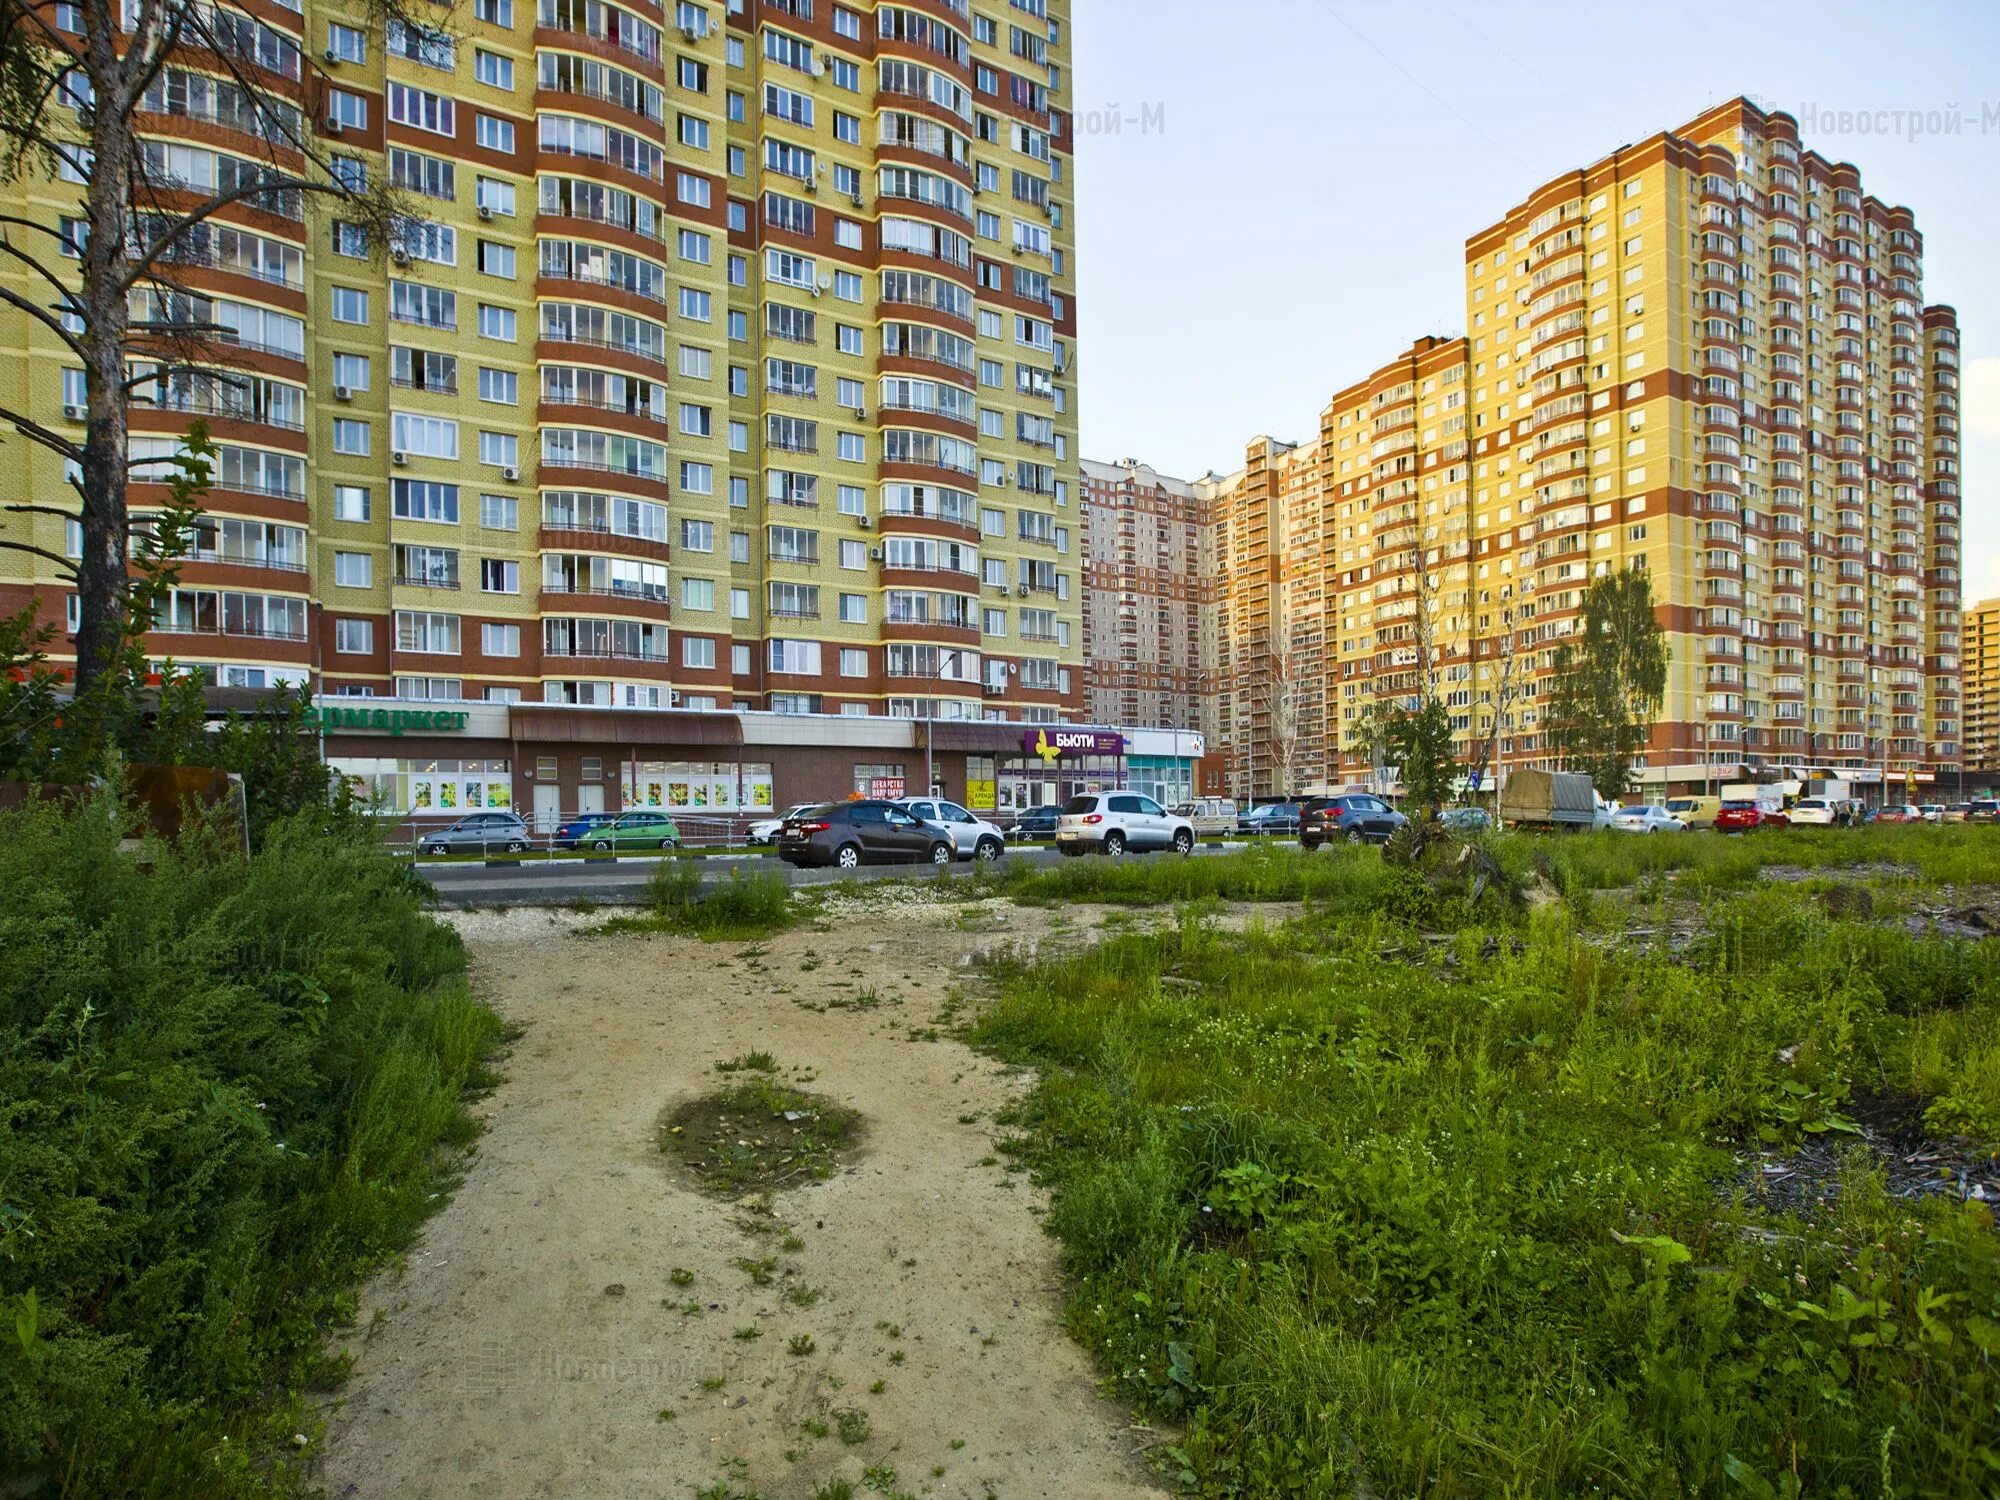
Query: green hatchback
x,y
634,830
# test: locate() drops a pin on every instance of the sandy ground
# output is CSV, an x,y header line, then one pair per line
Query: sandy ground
x,y
534,1337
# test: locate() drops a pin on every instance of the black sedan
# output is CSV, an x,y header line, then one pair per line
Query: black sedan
x,y
1036,823
852,834
1270,817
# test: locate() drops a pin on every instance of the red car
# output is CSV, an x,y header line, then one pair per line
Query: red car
x,y
1902,814
1738,817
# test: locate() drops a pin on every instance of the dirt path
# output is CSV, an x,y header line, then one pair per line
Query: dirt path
x,y
537,1333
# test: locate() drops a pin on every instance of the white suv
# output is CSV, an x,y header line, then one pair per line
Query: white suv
x,y
1117,821
971,837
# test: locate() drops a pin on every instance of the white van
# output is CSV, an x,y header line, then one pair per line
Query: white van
x,y
1209,814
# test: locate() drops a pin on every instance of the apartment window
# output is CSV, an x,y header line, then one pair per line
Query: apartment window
x,y
350,305
494,134
852,448
693,131
503,387
495,13
854,609
853,554
353,570
495,195
847,340
692,75
697,536
350,436
852,500
739,609
698,593
695,246
420,630
695,304
500,449
497,576
493,70
496,322
739,546
354,637
351,370
496,259
350,502
696,364
499,512
346,43
853,662
351,110
698,652
500,640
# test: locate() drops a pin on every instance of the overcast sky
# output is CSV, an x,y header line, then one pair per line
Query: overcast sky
x,y
1273,196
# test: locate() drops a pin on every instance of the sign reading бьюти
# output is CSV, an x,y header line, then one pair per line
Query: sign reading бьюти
x,y
388,720
1051,743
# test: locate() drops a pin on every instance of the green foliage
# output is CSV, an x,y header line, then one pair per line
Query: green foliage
x,y
224,1084
742,908
1420,744
1609,681
1362,1214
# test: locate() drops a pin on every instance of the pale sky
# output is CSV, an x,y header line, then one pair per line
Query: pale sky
x,y
1273,196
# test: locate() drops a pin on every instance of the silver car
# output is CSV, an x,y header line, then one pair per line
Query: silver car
x,y
1116,821
478,833
971,837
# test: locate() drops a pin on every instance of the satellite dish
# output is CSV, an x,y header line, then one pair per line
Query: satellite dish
x,y
826,283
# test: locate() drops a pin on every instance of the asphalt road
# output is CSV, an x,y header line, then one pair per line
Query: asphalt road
x,y
622,881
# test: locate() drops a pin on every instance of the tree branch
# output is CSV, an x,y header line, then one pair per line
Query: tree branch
x,y
67,565
48,319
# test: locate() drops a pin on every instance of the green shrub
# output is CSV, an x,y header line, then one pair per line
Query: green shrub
x,y
224,1085
745,906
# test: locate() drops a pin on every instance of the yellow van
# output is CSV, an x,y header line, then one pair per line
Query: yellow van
x,y
1696,812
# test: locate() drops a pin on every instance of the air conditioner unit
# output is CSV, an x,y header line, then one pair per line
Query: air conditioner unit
x,y
485,214
814,290
861,413
1048,211
399,457
811,186
511,474
334,127
855,200
688,33
996,688
1022,591
343,393
874,554
77,413
1020,249
400,256
864,522
332,58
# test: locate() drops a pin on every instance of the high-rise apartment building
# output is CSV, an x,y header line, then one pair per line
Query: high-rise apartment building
x,y
1982,687
1706,355
724,362
1149,596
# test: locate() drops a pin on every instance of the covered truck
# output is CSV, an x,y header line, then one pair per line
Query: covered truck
x,y
1550,799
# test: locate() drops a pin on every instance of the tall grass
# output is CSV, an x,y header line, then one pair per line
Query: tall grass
x,y
224,1086
1471,1224
744,907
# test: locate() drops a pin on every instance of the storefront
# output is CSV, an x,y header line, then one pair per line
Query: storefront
x,y
716,772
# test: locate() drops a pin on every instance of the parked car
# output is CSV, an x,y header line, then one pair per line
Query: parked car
x,y
1270,818
1208,814
971,837
1737,817
636,830
765,830
1113,822
1899,812
1355,817
478,833
1035,823
1956,813
852,834
571,832
1822,812
1983,810
1697,812
1466,819
1933,812
1651,818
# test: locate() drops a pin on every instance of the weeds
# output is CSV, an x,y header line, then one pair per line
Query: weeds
x,y
1360,1211
743,908
758,1133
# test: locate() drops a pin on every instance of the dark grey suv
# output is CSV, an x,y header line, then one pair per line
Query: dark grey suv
x,y
1356,817
851,834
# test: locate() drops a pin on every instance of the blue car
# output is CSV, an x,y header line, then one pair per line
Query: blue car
x,y
573,831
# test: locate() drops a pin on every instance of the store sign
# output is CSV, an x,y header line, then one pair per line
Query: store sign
x,y
886,788
388,720
1052,744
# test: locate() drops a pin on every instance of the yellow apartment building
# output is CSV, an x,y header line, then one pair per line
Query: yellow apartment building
x,y
725,361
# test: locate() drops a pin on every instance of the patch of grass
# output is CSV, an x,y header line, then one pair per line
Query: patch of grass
x,y
835,1489
752,1062
800,1345
802,1296
761,1272
1361,1211
681,1276
851,1424
759,1135
748,1332
741,909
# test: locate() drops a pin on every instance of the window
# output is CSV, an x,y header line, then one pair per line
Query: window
x,y
698,652
496,322
500,386
497,576
697,479
500,640
501,449
698,593
420,109
697,536
351,370
853,661
695,363
493,133
853,500
350,502
495,195
853,448
492,69
694,132
421,630
424,500
694,246
499,512
346,43
801,657
854,609
353,570
354,637
695,304
350,305
350,436
847,340
496,259
853,554
351,110
421,436
495,12
692,75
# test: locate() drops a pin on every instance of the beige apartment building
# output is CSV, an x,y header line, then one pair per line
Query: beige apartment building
x,y
726,362
1707,355
1149,597
1982,687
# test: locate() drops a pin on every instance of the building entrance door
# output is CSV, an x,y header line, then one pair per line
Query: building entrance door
x,y
590,797
548,807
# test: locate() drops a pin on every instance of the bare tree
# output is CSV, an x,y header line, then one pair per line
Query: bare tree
x,y
77,83
1284,699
